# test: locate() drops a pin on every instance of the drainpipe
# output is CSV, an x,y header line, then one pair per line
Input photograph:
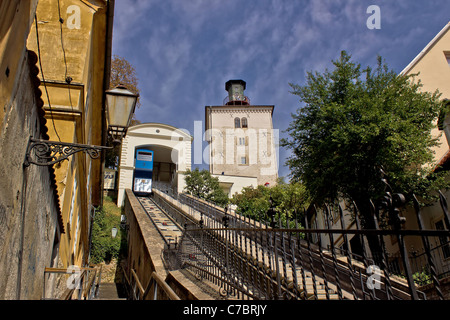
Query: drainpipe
x,y
106,79
92,216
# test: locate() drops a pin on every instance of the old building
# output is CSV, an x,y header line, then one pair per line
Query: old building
x,y
172,156
54,58
432,68
242,141
30,219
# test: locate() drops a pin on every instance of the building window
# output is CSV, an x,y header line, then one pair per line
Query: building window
x,y
447,56
237,123
243,160
75,241
444,241
443,114
244,123
72,203
314,236
242,141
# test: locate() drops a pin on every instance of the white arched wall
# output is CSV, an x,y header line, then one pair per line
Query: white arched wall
x,y
173,143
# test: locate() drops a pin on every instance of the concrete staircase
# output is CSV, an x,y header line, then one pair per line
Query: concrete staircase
x,y
110,291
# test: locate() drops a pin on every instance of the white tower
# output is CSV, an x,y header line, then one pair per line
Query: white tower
x,y
242,142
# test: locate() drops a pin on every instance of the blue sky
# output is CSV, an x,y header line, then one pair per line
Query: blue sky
x,y
185,50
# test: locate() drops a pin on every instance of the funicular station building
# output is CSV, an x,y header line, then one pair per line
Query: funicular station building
x,y
171,151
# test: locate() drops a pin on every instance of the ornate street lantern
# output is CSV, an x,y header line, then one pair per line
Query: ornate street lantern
x,y
120,106
114,232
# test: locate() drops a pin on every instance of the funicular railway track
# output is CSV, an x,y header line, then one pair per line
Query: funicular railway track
x,y
214,255
250,260
247,259
238,253
169,229
168,221
264,261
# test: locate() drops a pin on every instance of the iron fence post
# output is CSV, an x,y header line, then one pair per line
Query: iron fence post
x,y
363,247
383,259
283,248
322,262
311,263
395,202
225,220
444,207
348,254
271,214
302,268
333,253
426,245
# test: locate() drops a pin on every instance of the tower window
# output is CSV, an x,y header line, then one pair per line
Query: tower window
x,y
444,241
447,56
243,160
244,123
237,123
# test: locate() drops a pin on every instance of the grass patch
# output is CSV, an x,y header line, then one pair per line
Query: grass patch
x,y
104,246
110,206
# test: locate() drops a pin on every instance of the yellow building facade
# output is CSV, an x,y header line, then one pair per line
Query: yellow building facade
x,y
73,42
432,68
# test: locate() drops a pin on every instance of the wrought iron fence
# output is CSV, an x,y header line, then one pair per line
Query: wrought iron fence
x,y
249,259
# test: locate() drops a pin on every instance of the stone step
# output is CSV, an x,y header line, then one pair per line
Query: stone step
x,y
110,291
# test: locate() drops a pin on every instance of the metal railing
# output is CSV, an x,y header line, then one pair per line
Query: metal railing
x,y
157,288
248,259
81,283
227,101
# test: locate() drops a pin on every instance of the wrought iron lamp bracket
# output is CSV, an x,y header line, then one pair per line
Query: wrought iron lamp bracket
x,y
47,153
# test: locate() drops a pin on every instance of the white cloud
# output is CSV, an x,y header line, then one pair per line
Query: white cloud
x,y
128,17
196,12
185,50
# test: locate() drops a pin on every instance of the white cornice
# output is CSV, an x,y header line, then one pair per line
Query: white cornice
x,y
425,50
243,109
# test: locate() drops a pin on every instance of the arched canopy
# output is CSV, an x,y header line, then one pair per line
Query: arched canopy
x,y
172,154
159,129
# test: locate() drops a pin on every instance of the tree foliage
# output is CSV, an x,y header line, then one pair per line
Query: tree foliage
x,y
122,72
202,185
354,122
104,247
288,200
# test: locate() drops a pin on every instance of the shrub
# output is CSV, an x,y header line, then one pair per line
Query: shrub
x,y
104,247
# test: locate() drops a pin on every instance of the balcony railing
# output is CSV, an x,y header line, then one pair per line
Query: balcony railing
x,y
228,102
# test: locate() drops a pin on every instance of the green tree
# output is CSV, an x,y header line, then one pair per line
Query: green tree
x,y
294,198
253,202
122,72
287,200
202,185
353,123
104,247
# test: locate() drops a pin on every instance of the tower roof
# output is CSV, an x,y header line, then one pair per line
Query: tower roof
x,y
230,82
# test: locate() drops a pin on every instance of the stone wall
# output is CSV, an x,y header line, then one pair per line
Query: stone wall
x,y
144,242
145,247
30,222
